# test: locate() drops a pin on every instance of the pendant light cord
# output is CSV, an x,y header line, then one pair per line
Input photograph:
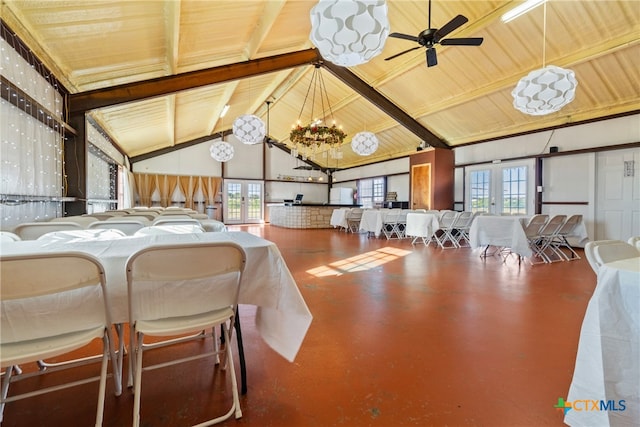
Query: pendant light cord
x,y
544,35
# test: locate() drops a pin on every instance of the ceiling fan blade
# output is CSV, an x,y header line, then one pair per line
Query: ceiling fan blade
x,y
449,27
404,36
468,41
402,53
432,58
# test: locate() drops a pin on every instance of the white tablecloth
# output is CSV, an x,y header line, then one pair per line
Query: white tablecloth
x,y
282,318
372,220
339,217
500,231
608,360
421,225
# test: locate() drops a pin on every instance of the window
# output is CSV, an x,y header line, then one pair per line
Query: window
x,y
371,192
514,187
480,191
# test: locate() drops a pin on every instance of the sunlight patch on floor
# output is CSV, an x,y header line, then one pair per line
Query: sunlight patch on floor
x,y
362,262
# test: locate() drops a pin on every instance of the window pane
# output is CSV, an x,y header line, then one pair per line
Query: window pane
x,y
479,191
371,191
514,184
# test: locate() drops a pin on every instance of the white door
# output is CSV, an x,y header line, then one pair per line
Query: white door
x,y
501,188
617,194
243,202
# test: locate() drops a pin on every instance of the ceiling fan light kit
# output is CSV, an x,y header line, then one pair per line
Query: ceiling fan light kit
x,y
430,37
545,91
349,33
364,143
249,129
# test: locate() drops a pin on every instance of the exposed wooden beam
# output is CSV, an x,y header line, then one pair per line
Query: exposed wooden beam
x,y
85,101
380,101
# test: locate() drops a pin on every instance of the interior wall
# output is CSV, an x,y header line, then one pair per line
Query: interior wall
x,y
193,160
621,130
568,187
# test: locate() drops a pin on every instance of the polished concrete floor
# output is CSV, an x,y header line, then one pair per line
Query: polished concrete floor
x,y
402,336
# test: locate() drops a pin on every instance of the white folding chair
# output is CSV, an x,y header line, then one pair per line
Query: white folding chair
x,y
82,235
532,231
212,225
401,226
602,256
169,229
461,226
145,218
127,226
53,304
447,219
390,223
33,230
353,220
560,240
634,241
174,219
83,221
615,251
206,277
546,235
7,236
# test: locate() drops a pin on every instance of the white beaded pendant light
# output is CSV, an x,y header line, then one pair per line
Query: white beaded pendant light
x,y
349,33
221,151
364,143
249,129
546,90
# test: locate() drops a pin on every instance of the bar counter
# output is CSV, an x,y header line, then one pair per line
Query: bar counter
x,y
305,215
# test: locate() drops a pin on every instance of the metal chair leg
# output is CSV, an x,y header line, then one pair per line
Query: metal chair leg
x,y
243,367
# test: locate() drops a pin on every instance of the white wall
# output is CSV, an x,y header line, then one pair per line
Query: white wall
x,y
193,160
378,169
598,134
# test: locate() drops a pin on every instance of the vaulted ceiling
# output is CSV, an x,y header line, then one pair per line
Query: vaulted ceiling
x,y
156,74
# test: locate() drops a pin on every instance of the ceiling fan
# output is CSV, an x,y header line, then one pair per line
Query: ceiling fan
x,y
431,36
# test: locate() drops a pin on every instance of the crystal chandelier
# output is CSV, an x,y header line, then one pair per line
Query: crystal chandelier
x,y
317,137
349,33
546,90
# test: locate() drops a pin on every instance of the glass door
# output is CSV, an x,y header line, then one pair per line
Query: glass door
x,y
243,202
501,189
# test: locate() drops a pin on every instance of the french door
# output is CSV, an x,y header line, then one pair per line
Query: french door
x,y
243,202
501,188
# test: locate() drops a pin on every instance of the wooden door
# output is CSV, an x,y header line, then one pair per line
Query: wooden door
x,y
421,186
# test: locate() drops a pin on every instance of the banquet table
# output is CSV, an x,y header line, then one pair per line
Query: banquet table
x,y
372,220
607,365
500,231
282,317
421,225
339,218
508,232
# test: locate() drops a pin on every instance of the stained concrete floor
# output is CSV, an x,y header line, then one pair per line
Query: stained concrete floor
x,y
402,335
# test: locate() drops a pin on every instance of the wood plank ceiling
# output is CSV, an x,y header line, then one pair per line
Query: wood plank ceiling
x,y
189,58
